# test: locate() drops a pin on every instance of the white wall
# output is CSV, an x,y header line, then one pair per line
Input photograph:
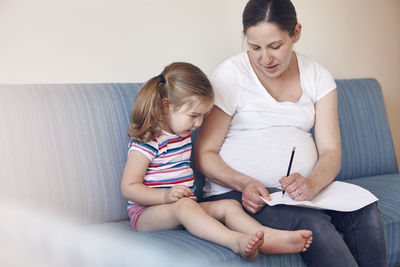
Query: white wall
x,y
58,41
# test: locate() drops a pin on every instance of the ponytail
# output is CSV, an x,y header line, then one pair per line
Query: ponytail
x,y
147,112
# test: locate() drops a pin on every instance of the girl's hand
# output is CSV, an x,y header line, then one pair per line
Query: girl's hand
x,y
298,187
177,192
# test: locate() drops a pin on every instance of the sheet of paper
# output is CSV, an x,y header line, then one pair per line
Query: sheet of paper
x,y
338,196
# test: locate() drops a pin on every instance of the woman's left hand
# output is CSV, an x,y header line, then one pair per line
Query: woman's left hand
x,y
298,187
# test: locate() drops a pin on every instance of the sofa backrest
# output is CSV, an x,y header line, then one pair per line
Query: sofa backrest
x,y
367,145
63,147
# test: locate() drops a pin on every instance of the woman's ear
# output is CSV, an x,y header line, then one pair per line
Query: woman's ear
x,y
297,32
165,105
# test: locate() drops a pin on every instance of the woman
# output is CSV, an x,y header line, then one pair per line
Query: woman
x,y
266,101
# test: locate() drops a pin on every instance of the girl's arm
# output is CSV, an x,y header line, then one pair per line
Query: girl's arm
x,y
132,187
208,144
327,139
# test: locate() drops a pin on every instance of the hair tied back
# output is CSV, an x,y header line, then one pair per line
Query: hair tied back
x,y
162,78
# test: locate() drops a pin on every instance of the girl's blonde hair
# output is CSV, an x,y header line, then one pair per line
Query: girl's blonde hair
x,y
181,83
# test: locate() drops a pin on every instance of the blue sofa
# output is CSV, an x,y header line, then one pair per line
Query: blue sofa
x,y
63,148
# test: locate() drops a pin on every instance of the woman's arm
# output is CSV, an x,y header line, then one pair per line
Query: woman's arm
x,y
132,187
208,144
327,139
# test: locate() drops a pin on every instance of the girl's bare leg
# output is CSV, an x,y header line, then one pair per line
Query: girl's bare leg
x,y
188,213
231,213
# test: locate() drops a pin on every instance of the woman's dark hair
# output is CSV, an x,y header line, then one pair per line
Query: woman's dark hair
x,y
280,12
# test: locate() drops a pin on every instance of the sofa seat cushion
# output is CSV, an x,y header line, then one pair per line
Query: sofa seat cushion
x,y
387,189
181,244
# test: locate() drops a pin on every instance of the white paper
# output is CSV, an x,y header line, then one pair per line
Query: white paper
x,y
338,196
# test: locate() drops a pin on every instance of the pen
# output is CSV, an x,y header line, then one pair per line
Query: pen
x,y
290,166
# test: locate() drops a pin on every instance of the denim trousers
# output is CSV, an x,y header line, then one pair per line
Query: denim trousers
x,y
361,241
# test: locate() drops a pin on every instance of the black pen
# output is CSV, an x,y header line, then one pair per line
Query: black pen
x,y
290,166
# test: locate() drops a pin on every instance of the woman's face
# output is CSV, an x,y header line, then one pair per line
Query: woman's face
x,y
270,48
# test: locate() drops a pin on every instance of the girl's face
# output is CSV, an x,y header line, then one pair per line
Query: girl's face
x,y
270,48
187,118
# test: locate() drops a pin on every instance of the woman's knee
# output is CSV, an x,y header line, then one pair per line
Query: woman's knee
x,y
368,218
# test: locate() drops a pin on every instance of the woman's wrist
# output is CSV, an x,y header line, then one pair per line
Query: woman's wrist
x,y
244,181
317,184
313,186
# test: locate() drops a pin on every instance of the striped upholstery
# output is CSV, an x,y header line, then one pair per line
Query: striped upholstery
x,y
63,146
180,244
387,189
367,146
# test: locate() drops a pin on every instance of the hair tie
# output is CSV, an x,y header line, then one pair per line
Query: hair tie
x,y
162,78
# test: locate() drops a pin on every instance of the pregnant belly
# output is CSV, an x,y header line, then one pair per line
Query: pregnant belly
x,y
265,154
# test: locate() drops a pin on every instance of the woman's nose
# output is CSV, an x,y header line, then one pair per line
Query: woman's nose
x,y
266,57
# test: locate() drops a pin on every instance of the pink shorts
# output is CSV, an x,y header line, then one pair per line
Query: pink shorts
x,y
134,213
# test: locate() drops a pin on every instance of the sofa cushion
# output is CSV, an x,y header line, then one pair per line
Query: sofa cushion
x,y
387,189
64,146
180,244
367,146
38,238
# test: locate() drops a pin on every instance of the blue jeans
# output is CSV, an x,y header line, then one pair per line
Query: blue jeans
x,y
363,243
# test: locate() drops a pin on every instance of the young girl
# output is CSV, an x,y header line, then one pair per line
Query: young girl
x,y
158,180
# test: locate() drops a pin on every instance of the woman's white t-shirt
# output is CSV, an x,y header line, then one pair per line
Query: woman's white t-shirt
x,y
263,131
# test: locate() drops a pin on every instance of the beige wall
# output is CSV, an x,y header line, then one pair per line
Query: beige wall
x,y
357,39
58,41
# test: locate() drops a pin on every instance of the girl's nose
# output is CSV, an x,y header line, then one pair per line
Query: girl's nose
x,y
198,121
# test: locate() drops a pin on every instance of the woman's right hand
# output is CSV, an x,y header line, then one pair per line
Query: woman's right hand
x,y
251,193
177,192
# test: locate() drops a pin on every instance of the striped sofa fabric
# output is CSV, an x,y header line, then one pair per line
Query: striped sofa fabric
x,y
63,148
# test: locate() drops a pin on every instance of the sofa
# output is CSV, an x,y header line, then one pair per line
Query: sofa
x,y
63,149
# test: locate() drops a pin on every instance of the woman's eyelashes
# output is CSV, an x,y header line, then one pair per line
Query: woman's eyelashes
x,y
273,47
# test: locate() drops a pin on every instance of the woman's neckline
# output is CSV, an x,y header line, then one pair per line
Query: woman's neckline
x,y
261,86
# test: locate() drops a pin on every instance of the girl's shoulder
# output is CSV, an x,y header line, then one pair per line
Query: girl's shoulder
x,y
161,138
164,138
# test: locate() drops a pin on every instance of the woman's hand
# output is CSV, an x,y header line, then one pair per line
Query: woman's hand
x,y
177,192
251,193
298,187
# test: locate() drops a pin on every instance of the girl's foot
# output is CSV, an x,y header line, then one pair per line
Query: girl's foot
x,y
283,242
249,245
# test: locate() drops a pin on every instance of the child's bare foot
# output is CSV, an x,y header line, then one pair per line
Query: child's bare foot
x,y
282,242
249,245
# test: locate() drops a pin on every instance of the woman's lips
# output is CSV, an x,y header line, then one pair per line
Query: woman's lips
x,y
271,68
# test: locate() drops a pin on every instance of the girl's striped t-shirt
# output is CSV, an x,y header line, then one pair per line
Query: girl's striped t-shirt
x,y
169,157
